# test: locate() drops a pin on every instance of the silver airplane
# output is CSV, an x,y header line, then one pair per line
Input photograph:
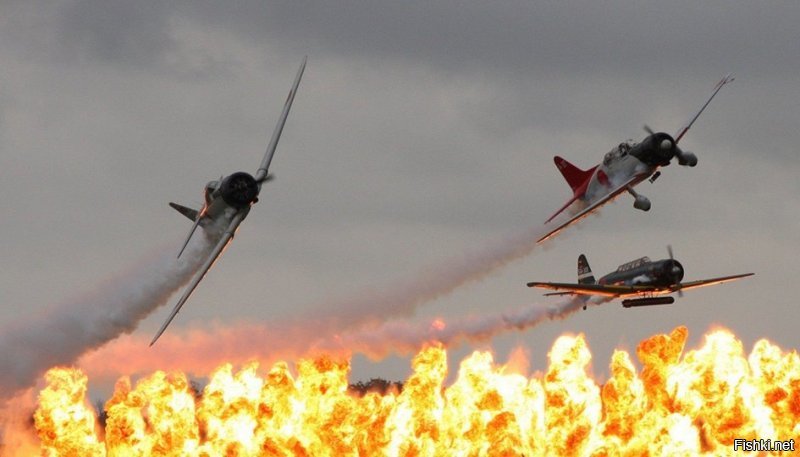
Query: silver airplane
x,y
622,168
227,202
640,282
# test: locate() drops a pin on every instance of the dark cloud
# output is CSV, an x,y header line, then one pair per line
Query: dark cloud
x,y
116,31
547,38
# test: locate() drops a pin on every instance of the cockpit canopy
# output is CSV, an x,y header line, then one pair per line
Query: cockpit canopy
x,y
634,264
619,151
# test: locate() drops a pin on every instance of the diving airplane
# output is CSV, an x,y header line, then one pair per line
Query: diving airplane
x,y
622,168
642,279
227,203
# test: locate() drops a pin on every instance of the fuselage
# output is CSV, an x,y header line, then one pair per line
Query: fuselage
x,y
644,272
617,167
628,160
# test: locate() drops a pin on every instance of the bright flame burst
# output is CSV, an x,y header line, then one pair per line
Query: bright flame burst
x,y
678,405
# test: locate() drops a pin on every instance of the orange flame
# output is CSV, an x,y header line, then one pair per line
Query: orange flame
x,y
696,403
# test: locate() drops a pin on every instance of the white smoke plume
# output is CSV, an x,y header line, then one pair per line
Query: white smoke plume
x,y
74,329
403,297
63,333
359,317
204,350
403,337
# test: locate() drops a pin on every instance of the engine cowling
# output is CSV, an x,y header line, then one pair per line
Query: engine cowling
x,y
657,149
687,158
672,271
239,190
641,203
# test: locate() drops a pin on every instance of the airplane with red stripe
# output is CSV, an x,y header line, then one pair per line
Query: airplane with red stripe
x,y
622,168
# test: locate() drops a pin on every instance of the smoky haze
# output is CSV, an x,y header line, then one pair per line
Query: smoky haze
x,y
60,335
68,331
422,130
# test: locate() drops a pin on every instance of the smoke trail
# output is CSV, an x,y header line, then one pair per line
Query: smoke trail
x,y
67,332
403,337
400,299
203,351
62,334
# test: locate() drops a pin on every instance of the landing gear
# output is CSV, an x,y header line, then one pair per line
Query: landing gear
x,y
640,201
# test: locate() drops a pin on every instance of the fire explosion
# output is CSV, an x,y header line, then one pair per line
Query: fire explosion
x,y
681,404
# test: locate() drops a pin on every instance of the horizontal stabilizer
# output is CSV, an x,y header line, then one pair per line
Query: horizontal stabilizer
x,y
188,212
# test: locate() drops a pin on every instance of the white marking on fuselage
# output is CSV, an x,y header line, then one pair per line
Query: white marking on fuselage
x,y
641,279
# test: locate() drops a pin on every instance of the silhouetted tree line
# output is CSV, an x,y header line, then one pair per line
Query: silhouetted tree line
x,y
377,385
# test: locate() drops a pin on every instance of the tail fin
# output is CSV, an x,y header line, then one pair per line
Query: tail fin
x,y
576,178
585,275
188,212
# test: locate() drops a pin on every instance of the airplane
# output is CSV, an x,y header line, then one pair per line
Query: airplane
x,y
642,279
227,203
622,168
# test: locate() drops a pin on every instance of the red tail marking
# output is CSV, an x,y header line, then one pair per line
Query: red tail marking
x,y
577,179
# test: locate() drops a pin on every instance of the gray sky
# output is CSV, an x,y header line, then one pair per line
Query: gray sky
x,y
421,131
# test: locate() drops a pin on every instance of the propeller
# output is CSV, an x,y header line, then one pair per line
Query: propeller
x,y
266,178
648,129
672,258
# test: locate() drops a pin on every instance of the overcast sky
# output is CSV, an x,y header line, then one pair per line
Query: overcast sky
x,y
422,131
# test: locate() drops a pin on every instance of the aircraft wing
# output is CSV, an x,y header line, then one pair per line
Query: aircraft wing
x,y
710,282
226,238
725,80
591,208
263,169
593,289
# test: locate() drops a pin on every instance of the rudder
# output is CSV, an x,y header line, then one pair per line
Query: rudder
x,y
585,275
575,177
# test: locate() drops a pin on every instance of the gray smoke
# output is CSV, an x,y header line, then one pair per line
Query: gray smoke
x,y
360,319
403,337
403,297
63,333
66,332
203,351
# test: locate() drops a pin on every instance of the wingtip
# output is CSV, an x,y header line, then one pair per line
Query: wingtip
x,y
549,235
155,338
